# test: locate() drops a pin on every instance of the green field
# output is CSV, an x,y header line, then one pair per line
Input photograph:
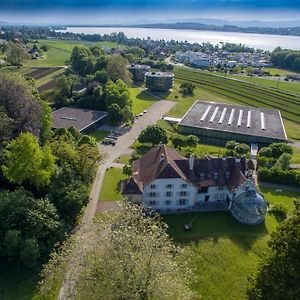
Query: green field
x,y
60,50
277,71
291,87
224,252
141,99
242,93
110,190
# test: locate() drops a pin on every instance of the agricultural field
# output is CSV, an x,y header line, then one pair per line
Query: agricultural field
x,y
281,84
245,94
225,252
60,50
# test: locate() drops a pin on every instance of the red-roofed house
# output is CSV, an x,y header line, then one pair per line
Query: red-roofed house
x,y
164,180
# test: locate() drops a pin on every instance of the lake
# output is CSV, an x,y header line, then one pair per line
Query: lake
x,y
260,41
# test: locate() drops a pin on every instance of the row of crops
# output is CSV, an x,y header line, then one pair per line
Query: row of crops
x,y
245,93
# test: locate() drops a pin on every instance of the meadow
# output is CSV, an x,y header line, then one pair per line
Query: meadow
x,y
224,252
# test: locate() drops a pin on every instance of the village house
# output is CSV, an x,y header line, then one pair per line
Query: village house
x,y
164,180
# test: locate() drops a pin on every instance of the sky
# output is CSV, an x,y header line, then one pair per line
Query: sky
x,y
134,11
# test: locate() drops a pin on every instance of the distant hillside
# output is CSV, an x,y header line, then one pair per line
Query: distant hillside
x,y
227,28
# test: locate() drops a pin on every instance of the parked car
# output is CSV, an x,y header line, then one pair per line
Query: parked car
x,y
108,141
145,111
113,137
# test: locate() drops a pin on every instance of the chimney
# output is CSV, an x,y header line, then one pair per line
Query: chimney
x,y
191,162
238,162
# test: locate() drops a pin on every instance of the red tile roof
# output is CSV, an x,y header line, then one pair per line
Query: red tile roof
x,y
165,162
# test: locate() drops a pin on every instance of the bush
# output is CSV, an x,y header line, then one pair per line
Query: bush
x,y
279,210
277,175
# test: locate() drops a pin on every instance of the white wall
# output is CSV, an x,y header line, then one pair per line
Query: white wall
x,y
192,196
161,197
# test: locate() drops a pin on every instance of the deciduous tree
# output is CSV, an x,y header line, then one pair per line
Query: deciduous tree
x,y
26,161
145,263
154,135
278,275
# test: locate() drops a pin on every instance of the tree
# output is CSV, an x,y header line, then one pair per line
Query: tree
x,y
6,125
191,141
241,149
127,114
278,275
82,61
15,54
187,88
178,141
118,93
26,161
154,135
28,227
138,250
283,161
66,84
117,69
230,145
115,113
127,170
21,111
249,71
101,77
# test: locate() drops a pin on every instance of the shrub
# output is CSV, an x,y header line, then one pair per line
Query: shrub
x,y
279,210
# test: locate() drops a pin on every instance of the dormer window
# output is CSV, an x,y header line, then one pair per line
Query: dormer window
x,y
227,175
215,175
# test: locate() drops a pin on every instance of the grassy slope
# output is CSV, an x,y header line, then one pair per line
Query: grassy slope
x,y
225,252
110,190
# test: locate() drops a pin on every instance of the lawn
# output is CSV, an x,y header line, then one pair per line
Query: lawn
x,y
124,159
99,135
110,190
296,156
141,99
224,252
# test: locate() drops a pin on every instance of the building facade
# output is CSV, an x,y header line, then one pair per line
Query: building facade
x,y
138,72
163,180
159,81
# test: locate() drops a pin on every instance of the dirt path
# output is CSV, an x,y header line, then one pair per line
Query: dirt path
x,y
155,112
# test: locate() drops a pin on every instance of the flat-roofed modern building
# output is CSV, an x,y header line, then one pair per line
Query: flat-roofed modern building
x,y
138,72
83,120
159,81
217,123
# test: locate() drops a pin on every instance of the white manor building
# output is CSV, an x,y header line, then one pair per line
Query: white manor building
x,y
163,180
